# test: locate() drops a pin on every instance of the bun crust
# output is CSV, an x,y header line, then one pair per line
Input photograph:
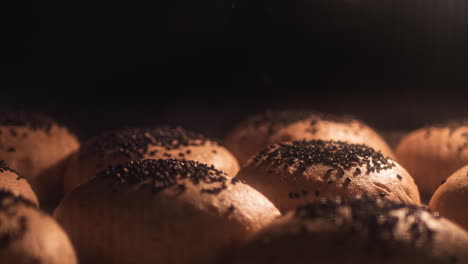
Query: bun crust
x,y
28,235
165,211
450,199
360,231
37,147
13,182
291,173
432,153
122,146
262,130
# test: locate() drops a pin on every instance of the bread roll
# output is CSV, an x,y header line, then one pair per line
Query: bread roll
x,y
162,211
13,182
262,130
432,153
38,147
290,173
358,231
145,143
451,198
29,236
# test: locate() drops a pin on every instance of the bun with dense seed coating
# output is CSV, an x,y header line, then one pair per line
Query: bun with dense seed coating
x,y
164,211
294,172
121,146
357,231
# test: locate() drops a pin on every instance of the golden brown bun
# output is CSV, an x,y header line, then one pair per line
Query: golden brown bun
x,y
359,231
290,173
451,198
161,211
29,236
262,130
122,146
432,153
12,182
38,147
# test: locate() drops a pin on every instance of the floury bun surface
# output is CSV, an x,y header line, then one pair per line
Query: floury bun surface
x,y
162,211
29,236
38,148
291,173
121,146
432,153
357,231
262,130
13,182
451,198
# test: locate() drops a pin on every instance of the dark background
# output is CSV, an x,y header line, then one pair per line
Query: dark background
x,y
206,64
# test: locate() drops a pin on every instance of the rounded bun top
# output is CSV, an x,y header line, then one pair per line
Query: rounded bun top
x,y
451,196
4,167
291,173
270,127
433,152
12,181
33,120
276,119
27,235
162,203
134,142
164,173
362,231
337,154
373,217
121,146
451,124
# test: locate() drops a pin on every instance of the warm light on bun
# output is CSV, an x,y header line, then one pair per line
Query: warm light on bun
x,y
38,147
145,143
358,231
294,172
13,182
29,236
451,198
262,130
432,153
162,211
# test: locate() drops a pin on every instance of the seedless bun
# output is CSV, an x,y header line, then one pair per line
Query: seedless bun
x,y
359,231
13,182
262,130
38,147
162,211
145,143
451,198
29,236
432,153
290,173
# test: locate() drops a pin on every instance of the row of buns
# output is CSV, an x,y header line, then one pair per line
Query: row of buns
x,y
168,195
